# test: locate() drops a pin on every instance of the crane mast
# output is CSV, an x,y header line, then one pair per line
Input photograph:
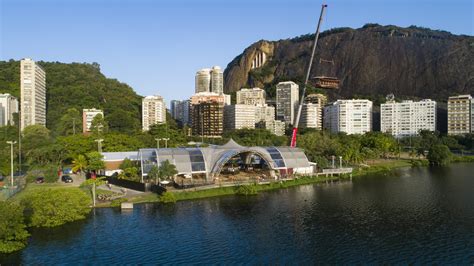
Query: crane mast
x,y
316,37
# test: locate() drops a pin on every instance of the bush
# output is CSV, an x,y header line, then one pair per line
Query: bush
x,y
117,202
13,234
417,163
167,197
439,154
246,190
52,208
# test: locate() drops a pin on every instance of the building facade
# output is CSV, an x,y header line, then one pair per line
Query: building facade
x,y
460,115
311,116
349,116
207,114
239,116
254,96
407,118
87,117
153,111
33,94
180,111
264,113
210,80
287,101
8,107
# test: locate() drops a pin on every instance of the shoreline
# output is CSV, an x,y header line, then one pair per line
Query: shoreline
x,y
385,167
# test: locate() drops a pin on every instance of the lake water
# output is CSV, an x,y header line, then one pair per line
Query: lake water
x,y
421,215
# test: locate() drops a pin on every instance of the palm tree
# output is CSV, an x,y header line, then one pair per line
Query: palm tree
x,y
79,164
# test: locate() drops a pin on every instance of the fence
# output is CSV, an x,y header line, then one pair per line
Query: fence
x,y
7,191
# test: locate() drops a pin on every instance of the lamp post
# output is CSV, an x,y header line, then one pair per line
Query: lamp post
x,y
158,143
340,161
11,159
166,142
99,145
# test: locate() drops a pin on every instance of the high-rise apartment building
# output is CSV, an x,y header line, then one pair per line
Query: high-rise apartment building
x,y
8,106
33,94
459,115
153,111
254,96
311,115
207,114
349,116
239,116
217,80
287,101
407,118
210,80
180,111
87,117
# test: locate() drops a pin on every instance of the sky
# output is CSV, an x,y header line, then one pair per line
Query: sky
x,y
157,46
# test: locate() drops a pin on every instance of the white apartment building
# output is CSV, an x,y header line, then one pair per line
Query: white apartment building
x,y
407,118
8,106
87,117
460,115
276,127
239,116
153,111
33,94
287,101
311,115
349,116
264,113
210,80
254,96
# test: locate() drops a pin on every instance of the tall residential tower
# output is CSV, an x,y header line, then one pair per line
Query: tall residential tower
x,y
33,94
153,111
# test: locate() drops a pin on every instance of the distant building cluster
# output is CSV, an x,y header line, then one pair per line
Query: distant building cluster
x,y
209,112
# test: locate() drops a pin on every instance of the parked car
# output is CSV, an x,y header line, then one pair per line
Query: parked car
x,y
39,180
66,179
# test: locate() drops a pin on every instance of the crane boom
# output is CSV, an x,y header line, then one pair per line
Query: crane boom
x,y
316,37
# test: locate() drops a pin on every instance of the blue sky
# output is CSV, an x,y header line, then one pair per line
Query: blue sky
x,y
157,46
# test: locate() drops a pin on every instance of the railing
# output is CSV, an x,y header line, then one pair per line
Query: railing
x,y
347,170
7,192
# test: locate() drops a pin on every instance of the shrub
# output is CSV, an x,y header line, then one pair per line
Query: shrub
x,y
117,202
246,190
439,154
13,234
167,197
51,208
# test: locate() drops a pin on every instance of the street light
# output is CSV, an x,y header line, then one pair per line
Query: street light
x,y
158,143
99,145
166,142
11,158
340,161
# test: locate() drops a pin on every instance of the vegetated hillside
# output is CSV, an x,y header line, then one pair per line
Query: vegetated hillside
x,y
80,85
372,61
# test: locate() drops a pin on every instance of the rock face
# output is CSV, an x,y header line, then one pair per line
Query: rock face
x,y
371,61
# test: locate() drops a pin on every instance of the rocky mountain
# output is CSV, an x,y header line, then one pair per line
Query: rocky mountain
x,y
371,61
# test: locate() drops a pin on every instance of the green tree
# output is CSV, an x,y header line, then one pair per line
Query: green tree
x,y
55,207
439,154
80,164
95,161
154,173
70,123
99,126
166,170
13,234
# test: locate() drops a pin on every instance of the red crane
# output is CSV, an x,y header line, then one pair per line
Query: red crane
x,y
316,37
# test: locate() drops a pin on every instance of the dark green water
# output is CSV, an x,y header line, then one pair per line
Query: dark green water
x,y
422,215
